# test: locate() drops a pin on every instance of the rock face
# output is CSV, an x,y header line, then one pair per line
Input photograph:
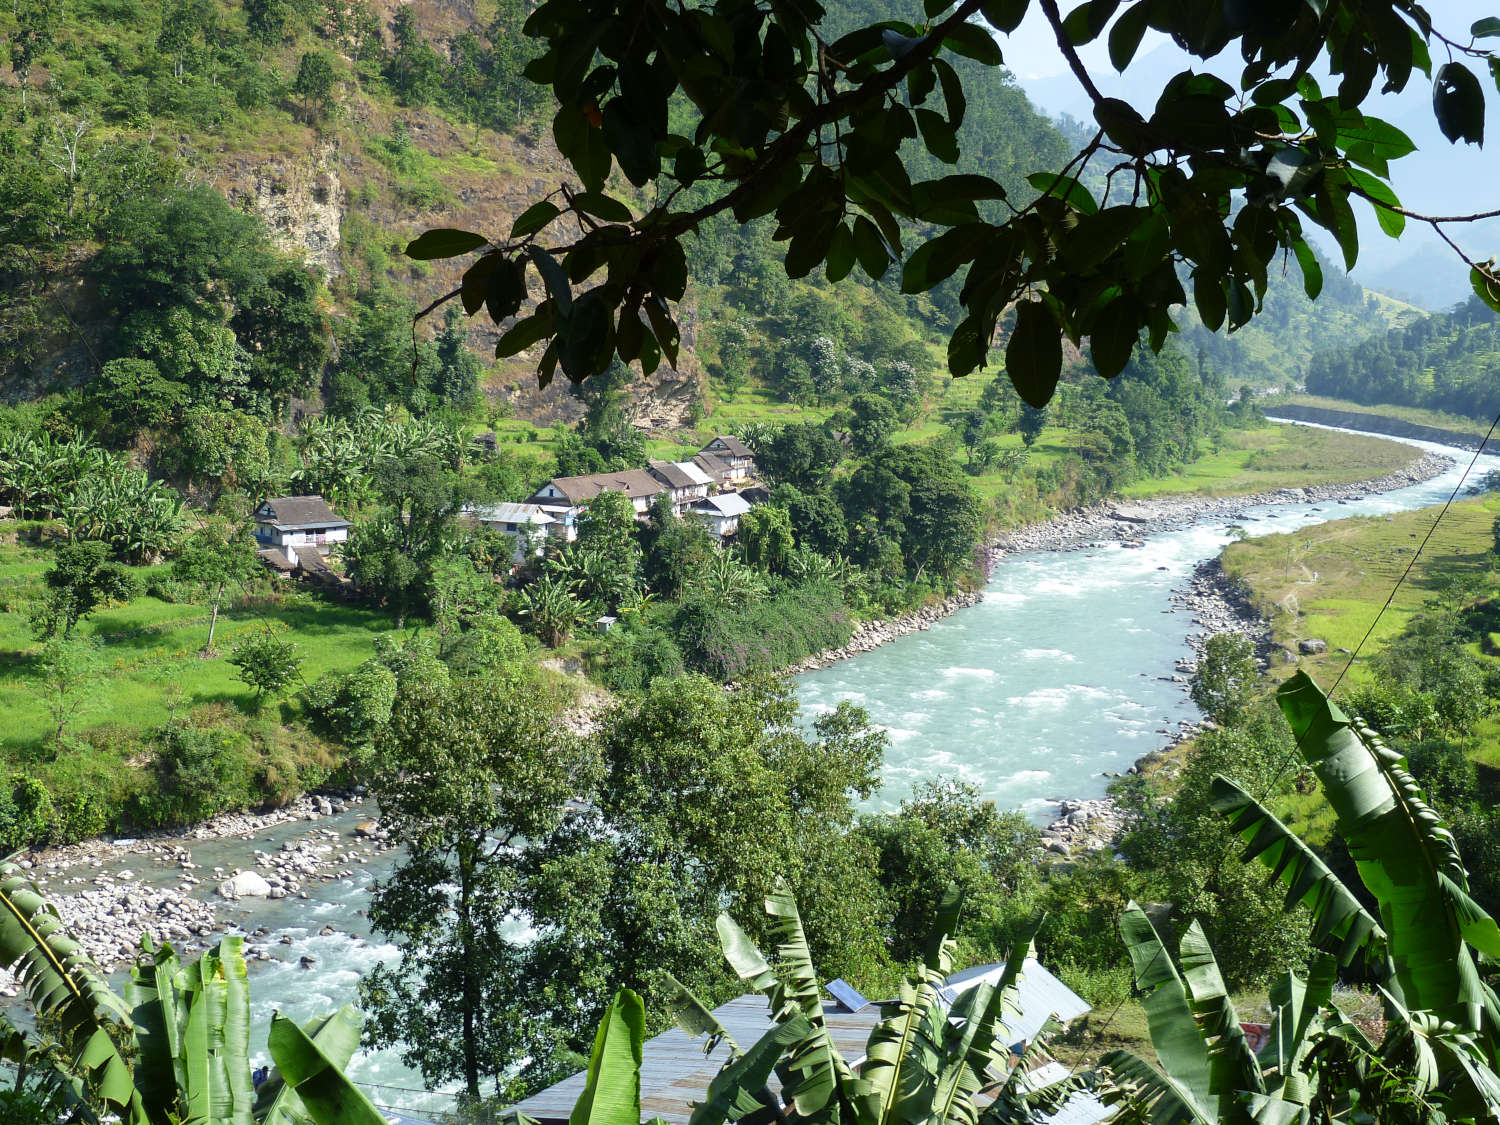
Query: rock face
x,y
244,884
303,205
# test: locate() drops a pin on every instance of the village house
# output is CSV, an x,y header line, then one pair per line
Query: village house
x,y
721,512
685,481
565,498
735,454
529,523
299,525
675,1069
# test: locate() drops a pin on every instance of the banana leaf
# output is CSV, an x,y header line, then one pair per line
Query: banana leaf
x,y
1186,1091
1406,858
64,985
337,1037
695,1018
740,1088
612,1095
1339,918
1233,1067
325,1091
814,1076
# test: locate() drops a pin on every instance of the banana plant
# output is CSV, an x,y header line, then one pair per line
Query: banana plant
x,y
1438,1056
1430,932
925,1063
176,1048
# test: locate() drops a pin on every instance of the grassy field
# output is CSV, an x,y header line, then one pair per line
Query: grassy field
x,y
148,652
1329,581
1278,456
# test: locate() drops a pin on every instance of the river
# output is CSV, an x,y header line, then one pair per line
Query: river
x,y
1061,674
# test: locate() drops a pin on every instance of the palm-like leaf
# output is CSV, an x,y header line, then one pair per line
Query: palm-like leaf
x,y
62,981
1339,919
1406,858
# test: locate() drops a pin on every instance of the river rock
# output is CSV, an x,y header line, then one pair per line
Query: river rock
x,y
1312,646
244,884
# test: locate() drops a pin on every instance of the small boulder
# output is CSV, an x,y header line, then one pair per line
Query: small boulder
x,y
244,884
1312,646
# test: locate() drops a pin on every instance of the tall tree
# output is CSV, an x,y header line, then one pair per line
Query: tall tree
x,y
467,772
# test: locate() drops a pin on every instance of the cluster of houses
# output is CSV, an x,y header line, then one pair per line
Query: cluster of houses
x,y
717,486
296,533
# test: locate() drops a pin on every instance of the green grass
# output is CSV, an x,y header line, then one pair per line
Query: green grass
x,y
1329,581
149,650
1278,456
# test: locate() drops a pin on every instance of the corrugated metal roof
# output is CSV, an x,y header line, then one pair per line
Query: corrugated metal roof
x,y
725,504
1039,995
512,513
675,1071
1083,1108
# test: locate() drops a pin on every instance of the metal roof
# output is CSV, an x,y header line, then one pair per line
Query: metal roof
x,y
675,1071
1039,995
511,513
294,513
1083,1108
724,504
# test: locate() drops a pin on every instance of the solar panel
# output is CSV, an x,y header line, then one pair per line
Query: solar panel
x,y
847,995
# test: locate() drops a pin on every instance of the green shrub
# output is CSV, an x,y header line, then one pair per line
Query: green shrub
x,y
199,773
27,818
636,655
727,642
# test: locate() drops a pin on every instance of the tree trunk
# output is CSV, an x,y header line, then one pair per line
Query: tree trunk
x,y
213,621
470,997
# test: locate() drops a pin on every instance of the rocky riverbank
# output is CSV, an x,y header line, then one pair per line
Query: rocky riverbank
x,y
1130,524
870,635
110,892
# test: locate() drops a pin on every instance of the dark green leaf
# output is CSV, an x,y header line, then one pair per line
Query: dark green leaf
x,y
521,336
1065,188
1113,337
444,243
1004,15
1458,102
1033,355
554,279
953,91
938,136
1312,272
973,41
1392,222
840,254
602,207
506,290
476,282
534,218
1487,28
870,248
1241,305
937,258
1488,291
669,271
664,328
584,344
1125,36
1208,295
